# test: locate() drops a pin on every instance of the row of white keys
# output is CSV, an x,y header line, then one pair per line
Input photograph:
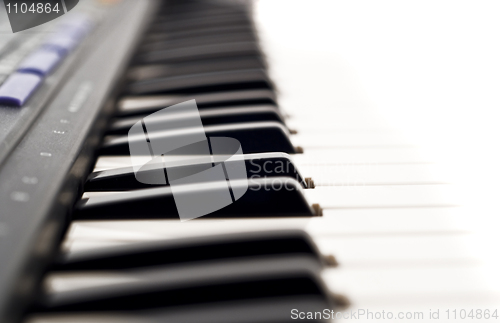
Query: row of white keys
x,y
320,157
385,196
381,241
399,232
350,140
376,174
402,238
392,258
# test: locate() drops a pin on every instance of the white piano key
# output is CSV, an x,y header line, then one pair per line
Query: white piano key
x,y
339,111
96,194
395,221
110,162
61,282
350,139
364,196
83,230
315,156
338,127
333,122
400,251
340,223
375,174
84,235
352,174
371,285
390,155
94,244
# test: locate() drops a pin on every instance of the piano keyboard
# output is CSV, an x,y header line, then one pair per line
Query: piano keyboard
x,y
371,223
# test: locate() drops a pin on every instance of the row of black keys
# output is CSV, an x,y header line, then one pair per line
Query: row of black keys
x,y
243,277
264,274
236,99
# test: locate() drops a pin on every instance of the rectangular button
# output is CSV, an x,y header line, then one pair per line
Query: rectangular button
x,y
77,24
62,42
18,88
40,62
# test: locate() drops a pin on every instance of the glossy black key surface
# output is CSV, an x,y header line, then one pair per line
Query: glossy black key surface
x,y
191,250
200,52
265,197
228,20
196,33
197,41
275,311
254,137
205,82
257,166
261,278
152,71
136,105
184,11
209,117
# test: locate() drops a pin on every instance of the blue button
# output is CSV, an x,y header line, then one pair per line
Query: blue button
x,y
40,62
77,25
69,34
62,42
18,88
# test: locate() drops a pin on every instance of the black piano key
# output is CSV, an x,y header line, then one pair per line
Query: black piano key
x,y
199,52
181,10
254,137
228,20
265,197
197,41
178,15
204,82
144,72
150,72
261,311
262,278
209,117
257,166
191,250
137,105
197,33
